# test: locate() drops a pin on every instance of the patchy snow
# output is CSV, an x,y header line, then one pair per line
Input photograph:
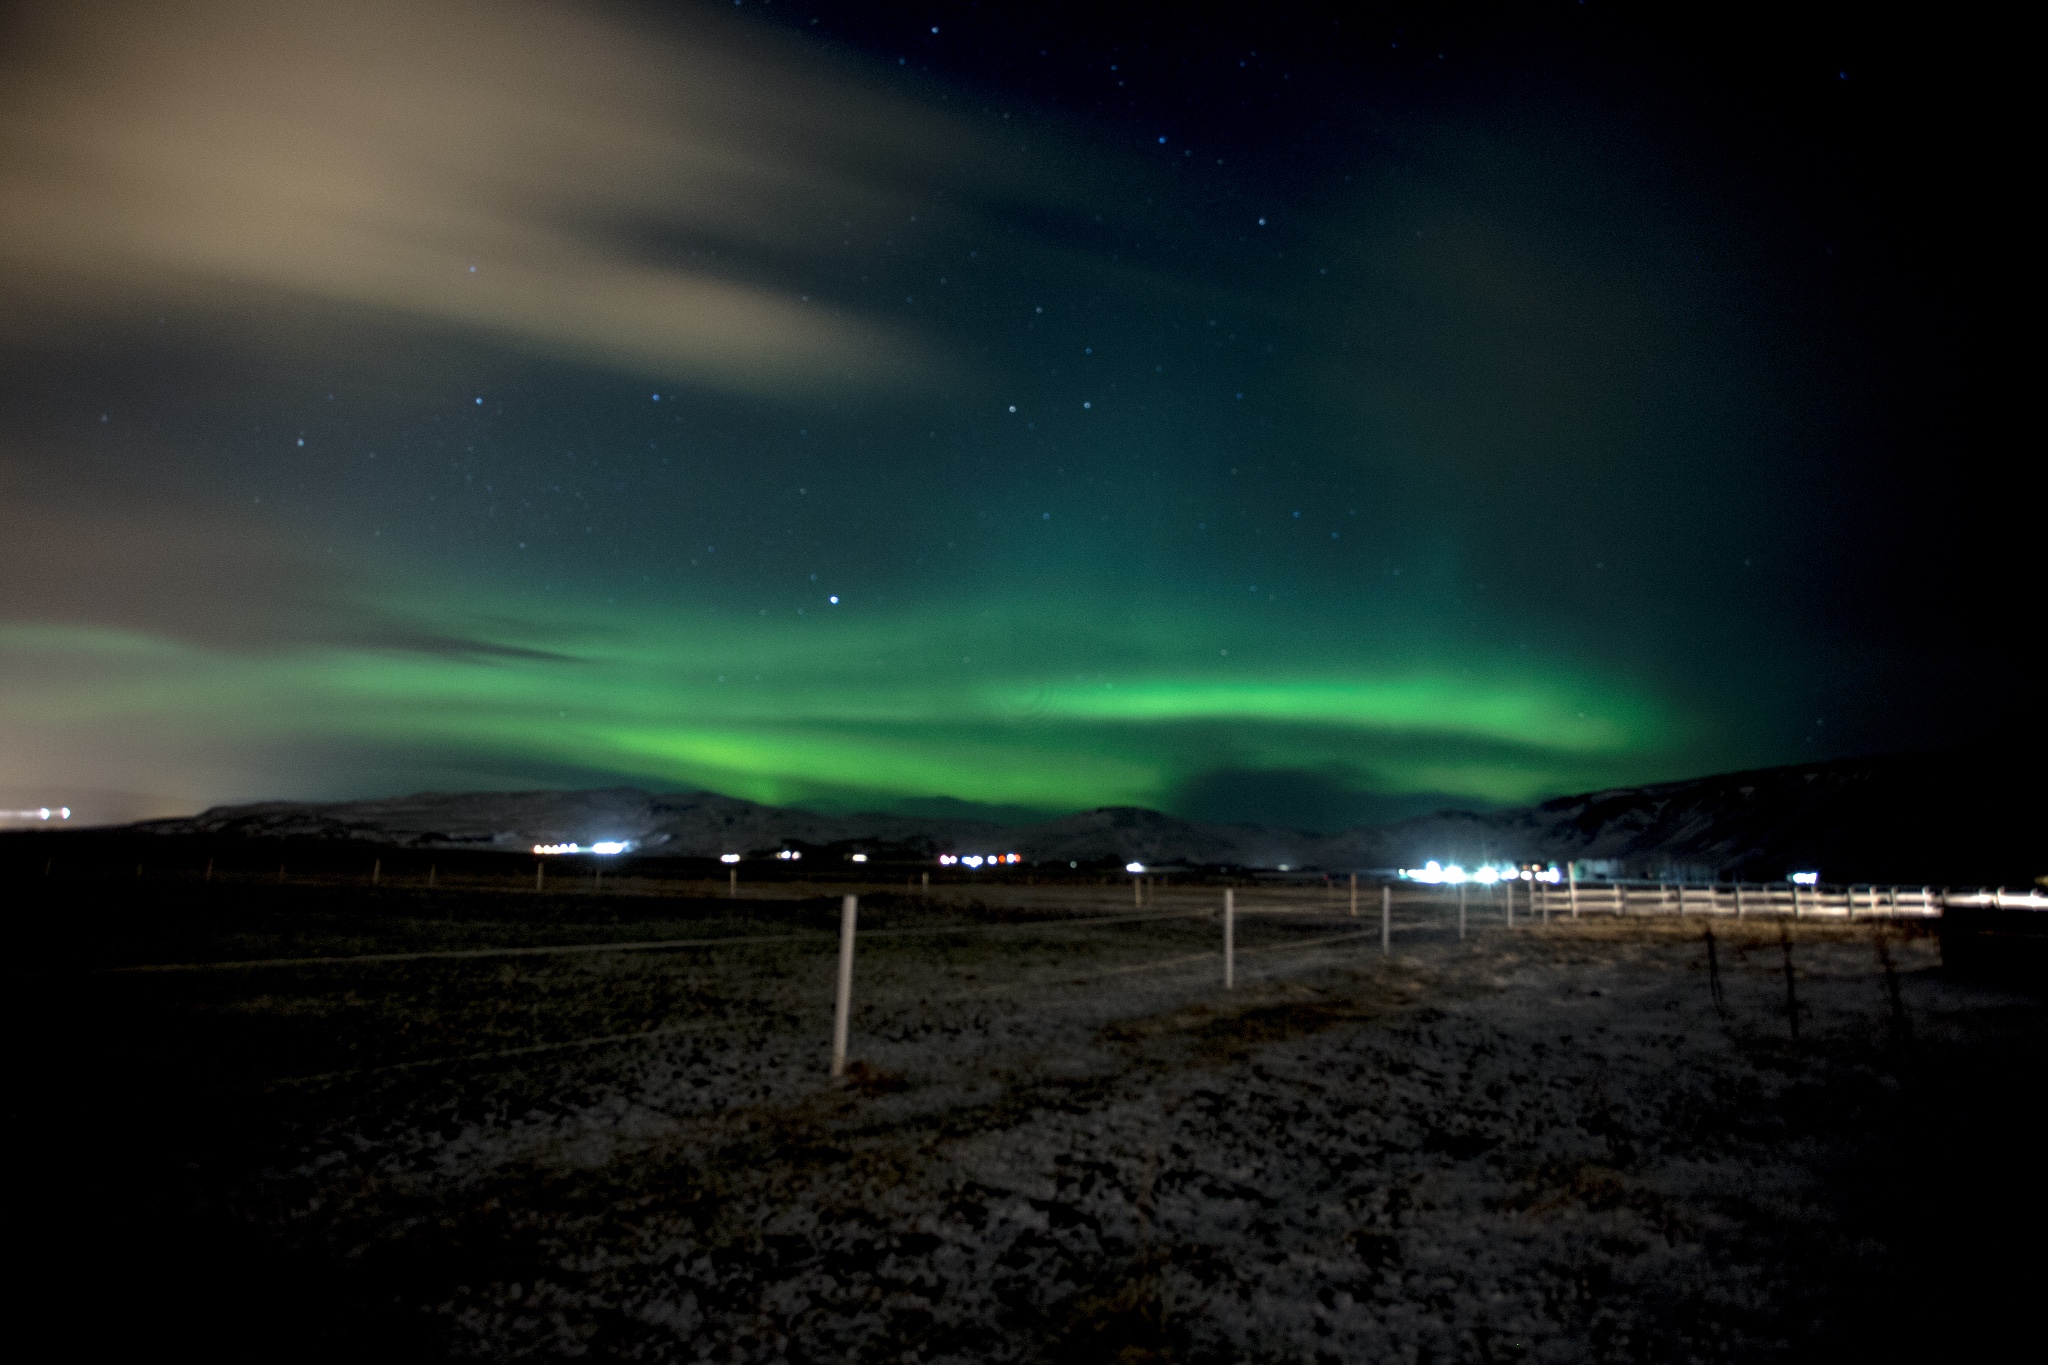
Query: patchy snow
x,y
1545,1145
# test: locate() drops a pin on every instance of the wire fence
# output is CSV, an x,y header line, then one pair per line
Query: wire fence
x,y
1189,937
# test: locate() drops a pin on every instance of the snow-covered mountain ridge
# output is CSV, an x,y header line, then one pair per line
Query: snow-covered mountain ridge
x,y
1902,817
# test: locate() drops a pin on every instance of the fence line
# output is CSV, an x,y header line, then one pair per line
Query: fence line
x,y
641,946
638,946
501,1052
1621,899
984,992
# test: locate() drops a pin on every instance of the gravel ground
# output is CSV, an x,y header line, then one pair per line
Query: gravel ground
x,y
1586,1141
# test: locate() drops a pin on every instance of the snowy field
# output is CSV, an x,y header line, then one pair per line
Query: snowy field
x,y
1583,1141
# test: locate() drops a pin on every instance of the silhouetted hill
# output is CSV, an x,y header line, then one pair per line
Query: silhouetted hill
x,y
1909,818
1905,818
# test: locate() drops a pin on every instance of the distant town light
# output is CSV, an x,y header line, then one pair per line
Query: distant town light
x,y
978,859
1435,873
611,846
558,848
860,857
789,855
728,857
1806,879
39,813
1134,867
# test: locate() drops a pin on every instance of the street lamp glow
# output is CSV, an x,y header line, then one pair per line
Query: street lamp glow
x,y
1134,867
39,813
728,857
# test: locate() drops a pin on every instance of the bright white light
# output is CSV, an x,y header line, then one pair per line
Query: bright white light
x,y
972,860
1550,874
1486,876
1806,878
833,600
789,855
610,846
39,813
558,848
1134,867
728,857
860,857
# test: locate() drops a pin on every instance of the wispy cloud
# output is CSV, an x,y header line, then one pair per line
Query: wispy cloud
x,y
571,180
81,553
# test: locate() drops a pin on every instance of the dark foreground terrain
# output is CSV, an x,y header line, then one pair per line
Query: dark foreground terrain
x,y
1590,1141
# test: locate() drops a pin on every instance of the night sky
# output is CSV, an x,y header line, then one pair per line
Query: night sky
x,y
1312,416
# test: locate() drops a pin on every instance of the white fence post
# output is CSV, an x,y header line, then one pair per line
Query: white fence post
x,y
1738,900
1461,912
1354,895
1229,938
1509,888
842,1012
1571,873
1386,918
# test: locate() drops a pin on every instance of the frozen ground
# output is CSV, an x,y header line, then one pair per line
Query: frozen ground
x,y
1547,1145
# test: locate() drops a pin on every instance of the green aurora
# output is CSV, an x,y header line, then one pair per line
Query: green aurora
x,y
688,396
845,709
